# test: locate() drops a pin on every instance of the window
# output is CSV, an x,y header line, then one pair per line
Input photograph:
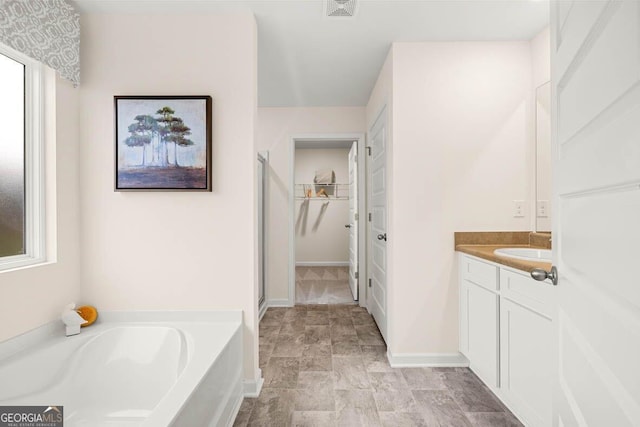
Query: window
x,y
21,186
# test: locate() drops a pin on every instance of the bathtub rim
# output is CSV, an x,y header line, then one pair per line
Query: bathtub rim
x,y
55,328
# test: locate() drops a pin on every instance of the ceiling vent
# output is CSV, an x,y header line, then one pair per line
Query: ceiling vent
x,y
341,8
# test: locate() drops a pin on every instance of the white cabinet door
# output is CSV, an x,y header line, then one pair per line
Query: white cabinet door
x,y
526,362
483,333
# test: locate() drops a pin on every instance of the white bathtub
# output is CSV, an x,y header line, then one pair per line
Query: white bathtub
x,y
132,369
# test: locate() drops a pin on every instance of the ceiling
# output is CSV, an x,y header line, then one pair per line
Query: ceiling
x,y
307,59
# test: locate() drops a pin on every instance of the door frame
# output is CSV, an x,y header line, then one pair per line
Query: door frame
x,y
263,157
303,139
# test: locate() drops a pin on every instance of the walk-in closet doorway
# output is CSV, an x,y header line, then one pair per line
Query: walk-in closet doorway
x,y
327,228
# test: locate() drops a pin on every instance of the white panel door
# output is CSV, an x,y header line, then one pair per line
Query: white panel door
x,y
377,254
596,128
353,219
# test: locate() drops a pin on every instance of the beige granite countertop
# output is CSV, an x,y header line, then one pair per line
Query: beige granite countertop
x,y
482,245
486,252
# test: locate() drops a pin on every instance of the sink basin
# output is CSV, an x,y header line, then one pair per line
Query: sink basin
x,y
527,254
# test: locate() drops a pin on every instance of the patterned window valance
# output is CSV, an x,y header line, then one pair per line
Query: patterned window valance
x,y
45,30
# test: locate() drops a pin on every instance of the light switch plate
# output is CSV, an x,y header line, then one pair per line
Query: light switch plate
x,y
518,208
543,209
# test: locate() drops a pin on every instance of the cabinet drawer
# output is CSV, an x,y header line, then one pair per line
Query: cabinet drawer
x,y
480,273
523,290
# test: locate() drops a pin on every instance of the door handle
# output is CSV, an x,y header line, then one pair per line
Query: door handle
x,y
348,226
382,237
540,275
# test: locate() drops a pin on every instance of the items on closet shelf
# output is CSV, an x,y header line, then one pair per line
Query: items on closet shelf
x,y
324,187
325,176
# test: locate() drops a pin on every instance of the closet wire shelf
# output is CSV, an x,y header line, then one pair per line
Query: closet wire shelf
x,y
322,192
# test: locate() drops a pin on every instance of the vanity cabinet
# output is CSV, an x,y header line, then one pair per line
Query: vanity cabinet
x,y
480,315
505,332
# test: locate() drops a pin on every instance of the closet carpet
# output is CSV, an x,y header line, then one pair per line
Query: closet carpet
x,y
325,365
323,285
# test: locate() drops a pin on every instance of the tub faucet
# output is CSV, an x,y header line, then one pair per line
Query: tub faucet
x,y
72,320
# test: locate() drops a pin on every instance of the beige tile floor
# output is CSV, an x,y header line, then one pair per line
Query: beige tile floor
x,y
325,365
323,285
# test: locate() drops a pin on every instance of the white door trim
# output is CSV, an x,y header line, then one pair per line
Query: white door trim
x,y
263,156
362,199
354,218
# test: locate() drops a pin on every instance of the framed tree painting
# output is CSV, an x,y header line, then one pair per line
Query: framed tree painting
x,y
163,143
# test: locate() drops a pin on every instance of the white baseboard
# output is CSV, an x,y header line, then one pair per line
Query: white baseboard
x,y
251,388
279,303
322,264
262,310
434,360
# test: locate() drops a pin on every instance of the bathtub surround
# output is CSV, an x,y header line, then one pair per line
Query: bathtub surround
x,y
181,375
178,250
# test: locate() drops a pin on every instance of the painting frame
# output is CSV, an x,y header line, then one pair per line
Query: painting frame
x,y
160,174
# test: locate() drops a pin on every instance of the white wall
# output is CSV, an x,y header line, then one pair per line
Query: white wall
x,y
543,183
274,129
540,60
321,237
33,296
462,134
171,250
